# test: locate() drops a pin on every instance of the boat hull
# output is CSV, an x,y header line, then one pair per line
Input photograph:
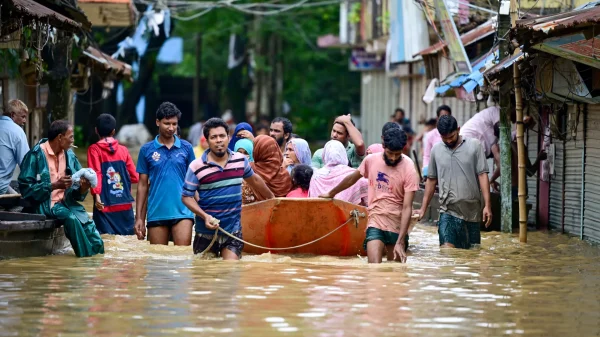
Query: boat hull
x,y
287,222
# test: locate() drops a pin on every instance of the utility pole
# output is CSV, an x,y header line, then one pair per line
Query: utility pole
x,y
504,24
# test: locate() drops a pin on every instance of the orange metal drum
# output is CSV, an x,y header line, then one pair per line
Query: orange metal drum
x,y
286,222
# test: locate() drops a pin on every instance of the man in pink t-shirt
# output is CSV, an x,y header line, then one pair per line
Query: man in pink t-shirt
x,y
433,137
393,181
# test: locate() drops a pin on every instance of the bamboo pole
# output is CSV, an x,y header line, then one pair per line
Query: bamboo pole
x,y
521,155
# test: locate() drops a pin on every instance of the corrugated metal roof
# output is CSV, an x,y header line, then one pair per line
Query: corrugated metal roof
x,y
106,1
580,17
469,81
33,9
504,63
108,62
472,36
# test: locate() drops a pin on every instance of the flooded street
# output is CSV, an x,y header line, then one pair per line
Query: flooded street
x,y
546,288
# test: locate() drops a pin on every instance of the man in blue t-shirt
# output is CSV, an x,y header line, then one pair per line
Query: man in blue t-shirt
x,y
162,164
217,178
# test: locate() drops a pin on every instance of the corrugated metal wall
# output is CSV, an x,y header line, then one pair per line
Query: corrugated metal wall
x,y
557,186
532,182
573,170
591,222
379,99
461,110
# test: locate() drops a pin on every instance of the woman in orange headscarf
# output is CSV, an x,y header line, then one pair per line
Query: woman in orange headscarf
x,y
267,164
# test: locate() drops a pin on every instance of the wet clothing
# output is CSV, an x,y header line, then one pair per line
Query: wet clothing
x,y
13,147
166,223
388,238
457,172
219,189
57,166
458,232
166,169
202,241
35,184
353,158
116,173
481,127
387,187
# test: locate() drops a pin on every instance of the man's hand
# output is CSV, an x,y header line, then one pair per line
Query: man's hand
x,y
487,216
326,195
495,186
62,183
246,134
420,213
211,223
140,229
344,119
400,251
98,203
84,185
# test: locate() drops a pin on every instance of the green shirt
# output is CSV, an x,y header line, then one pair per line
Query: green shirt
x,y
354,159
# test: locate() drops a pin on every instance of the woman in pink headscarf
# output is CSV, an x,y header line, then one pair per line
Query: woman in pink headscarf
x,y
335,170
375,148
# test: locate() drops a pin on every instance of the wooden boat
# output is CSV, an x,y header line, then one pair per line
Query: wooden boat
x,y
286,222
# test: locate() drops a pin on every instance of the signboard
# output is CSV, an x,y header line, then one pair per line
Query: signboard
x,y
360,60
452,39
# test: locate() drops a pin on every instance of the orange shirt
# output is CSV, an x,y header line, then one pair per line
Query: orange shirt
x,y
57,165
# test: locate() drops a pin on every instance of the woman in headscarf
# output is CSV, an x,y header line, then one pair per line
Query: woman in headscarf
x,y
375,148
335,170
245,147
296,152
242,130
267,164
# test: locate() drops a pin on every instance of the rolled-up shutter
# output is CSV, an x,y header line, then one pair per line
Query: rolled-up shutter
x,y
591,214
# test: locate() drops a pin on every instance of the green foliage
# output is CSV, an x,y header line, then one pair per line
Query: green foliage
x,y
354,16
80,137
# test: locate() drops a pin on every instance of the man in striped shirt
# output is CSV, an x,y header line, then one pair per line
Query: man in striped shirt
x,y
217,177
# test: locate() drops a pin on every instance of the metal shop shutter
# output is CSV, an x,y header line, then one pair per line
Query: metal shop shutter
x,y
557,185
574,146
531,139
591,214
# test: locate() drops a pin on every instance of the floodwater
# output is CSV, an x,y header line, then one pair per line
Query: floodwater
x,y
548,287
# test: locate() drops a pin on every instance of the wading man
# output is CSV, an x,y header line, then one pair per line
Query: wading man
x,y
345,132
45,181
460,167
393,181
281,130
217,178
162,164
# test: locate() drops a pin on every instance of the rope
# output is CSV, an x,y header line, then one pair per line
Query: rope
x,y
354,215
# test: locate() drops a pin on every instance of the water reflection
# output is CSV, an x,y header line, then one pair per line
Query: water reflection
x,y
547,287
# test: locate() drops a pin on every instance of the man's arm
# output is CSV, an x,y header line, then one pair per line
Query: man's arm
x,y
399,249
496,153
354,134
29,186
141,198
484,184
427,196
258,185
349,181
93,158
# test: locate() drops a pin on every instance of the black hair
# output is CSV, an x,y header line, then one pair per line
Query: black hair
x,y
293,136
431,122
301,175
342,124
167,110
443,107
214,123
497,130
394,139
390,125
105,124
399,110
178,131
287,124
59,127
446,125
261,126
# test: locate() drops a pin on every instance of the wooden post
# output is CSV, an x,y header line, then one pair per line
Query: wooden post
x,y
521,155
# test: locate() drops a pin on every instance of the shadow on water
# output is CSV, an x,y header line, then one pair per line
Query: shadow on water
x,y
547,287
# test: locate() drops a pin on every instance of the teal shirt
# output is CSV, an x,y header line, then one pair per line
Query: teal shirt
x,y
353,158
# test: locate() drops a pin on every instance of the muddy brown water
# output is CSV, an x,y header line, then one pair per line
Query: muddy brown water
x,y
548,287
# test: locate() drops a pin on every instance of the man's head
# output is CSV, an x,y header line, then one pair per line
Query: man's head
x,y
167,119
216,132
340,133
105,125
399,115
17,111
281,130
449,130
443,110
61,133
388,126
262,130
394,141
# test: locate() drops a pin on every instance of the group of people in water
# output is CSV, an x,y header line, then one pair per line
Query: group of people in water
x,y
178,188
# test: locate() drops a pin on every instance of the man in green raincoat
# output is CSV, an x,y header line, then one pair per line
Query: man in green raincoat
x,y
45,181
